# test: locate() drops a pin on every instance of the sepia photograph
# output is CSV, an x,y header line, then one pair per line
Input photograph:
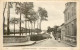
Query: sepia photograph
x,y
40,24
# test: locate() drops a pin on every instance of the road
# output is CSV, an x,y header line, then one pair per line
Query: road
x,y
50,43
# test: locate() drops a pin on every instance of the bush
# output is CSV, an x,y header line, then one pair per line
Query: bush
x,y
36,37
39,37
46,36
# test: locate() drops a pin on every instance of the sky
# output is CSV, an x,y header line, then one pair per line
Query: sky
x,y
55,13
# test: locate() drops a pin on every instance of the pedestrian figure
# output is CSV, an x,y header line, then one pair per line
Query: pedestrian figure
x,y
59,39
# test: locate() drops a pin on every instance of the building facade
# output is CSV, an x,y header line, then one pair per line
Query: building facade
x,y
70,23
63,31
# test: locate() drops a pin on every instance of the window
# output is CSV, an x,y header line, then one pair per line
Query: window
x,y
72,29
73,11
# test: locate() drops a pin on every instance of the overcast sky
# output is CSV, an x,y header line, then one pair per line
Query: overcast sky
x,y
55,13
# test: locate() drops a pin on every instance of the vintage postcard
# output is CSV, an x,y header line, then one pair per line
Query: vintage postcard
x,y
39,25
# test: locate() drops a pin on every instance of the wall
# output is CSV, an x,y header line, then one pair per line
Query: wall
x,y
62,32
15,39
70,23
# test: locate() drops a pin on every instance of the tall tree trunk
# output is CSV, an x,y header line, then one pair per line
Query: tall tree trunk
x,y
8,16
37,27
4,18
14,26
20,23
40,24
37,24
26,26
34,27
31,28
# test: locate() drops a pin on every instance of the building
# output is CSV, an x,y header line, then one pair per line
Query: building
x,y
63,31
70,23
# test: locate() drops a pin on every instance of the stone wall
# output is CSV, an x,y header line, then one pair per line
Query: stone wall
x,y
15,39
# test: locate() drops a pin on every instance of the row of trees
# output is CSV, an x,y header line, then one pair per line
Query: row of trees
x,y
55,29
31,16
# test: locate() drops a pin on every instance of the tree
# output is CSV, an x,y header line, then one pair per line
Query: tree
x,y
49,29
18,10
4,18
28,6
14,21
43,14
33,17
8,16
23,9
55,29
